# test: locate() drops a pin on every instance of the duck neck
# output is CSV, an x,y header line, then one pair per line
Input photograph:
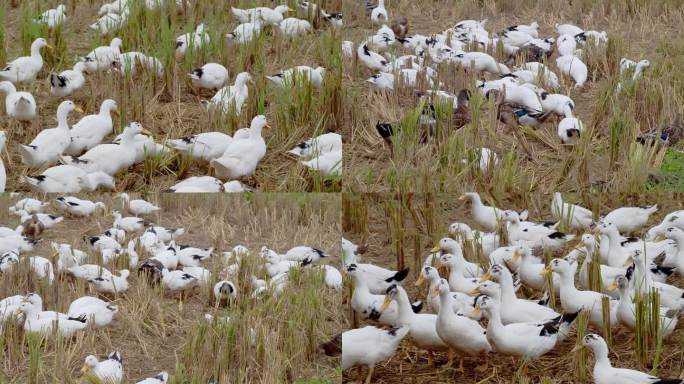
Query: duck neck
x,y
494,319
35,52
445,305
105,109
507,289
567,283
601,355
404,306
62,122
8,88
348,257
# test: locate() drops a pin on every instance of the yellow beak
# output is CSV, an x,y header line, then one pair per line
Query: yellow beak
x,y
49,47
386,303
545,271
516,256
78,109
577,348
612,287
486,277
628,262
85,368
462,197
420,281
267,126
474,291
146,132
18,312
660,237
435,249
477,310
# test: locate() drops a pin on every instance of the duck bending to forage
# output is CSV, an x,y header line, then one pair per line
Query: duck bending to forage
x,y
49,144
18,104
457,331
485,216
369,346
574,300
137,207
97,311
207,146
605,373
209,76
109,158
104,57
574,67
369,305
231,95
527,340
23,70
69,179
69,81
49,323
192,40
92,129
242,157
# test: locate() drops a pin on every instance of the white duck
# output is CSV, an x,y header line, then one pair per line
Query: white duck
x,y
574,67
209,76
128,224
485,216
52,17
245,32
605,373
23,70
50,323
327,142
570,129
50,143
69,179
160,378
630,219
207,184
379,14
108,371
242,157
457,270
372,60
369,346
79,207
292,27
450,246
178,280
574,300
607,273
137,207
231,96
69,81
328,164
460,333
302,73
109,158
576,216
111,284
97,311
92,129
19,105
207,146
193,41
103,58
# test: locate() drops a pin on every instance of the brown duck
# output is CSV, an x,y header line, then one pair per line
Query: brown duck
x,y
670,133
461,115
400,26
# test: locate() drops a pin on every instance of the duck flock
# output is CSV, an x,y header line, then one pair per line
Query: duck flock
x,y
85,155
153,252
449,318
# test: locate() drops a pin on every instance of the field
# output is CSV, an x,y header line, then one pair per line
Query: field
x,y
400,231
167,105
606,158
157,330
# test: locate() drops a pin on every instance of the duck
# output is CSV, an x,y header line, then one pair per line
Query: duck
x,y
231,96
458,282
605,373
103,57
487,241
246,15
109,158
9,306
224,290
677,234
245,32
513,93
534,235
630,219
313,76
19,105
49,144
178,280
272,16
531,29
50,323
367,304
328,164
566,45
626,311
193,41
556,103
67,82
129,62
242,157
111,284
92,129
160,378
452,247
512,309
573,66
379,14
3,173
327,142
137,207
334,19
108,371
422,326
568,29
480,62
192,256
460,333
526,340
643,283
69,179
25,69
372,60
369,346
570,129
52,17
145,147
102,242
530,270
29,205
97,311
209,76
513,115
576,216
8,261
111,22
378,278
292,27
574,300
79,207
607,273
128,224
303,252
207,184
462,303
485,216
668,134
46,220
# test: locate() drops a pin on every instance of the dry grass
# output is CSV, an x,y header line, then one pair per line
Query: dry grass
x,y
604,160
155,331
400,231
167,106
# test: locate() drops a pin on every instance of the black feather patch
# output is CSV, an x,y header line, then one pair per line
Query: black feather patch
x,y
320,253
116,356
198,72
399,276
385,130
550,327
80,319
365,50
179,44
629,272
557,235
417,306
39,177
572,132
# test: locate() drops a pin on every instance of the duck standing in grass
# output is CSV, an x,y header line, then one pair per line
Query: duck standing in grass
x,y
23,70
242,157
109,371
19,105
50,143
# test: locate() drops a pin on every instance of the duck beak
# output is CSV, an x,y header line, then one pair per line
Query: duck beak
x,y
545,271
85,368
485,277
477,310
420,281
516,256
146,132
50,47
628,262
386,303
18,312
462,197
660,237
78,109
577,348
612,287
474,292
267,126
436,249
